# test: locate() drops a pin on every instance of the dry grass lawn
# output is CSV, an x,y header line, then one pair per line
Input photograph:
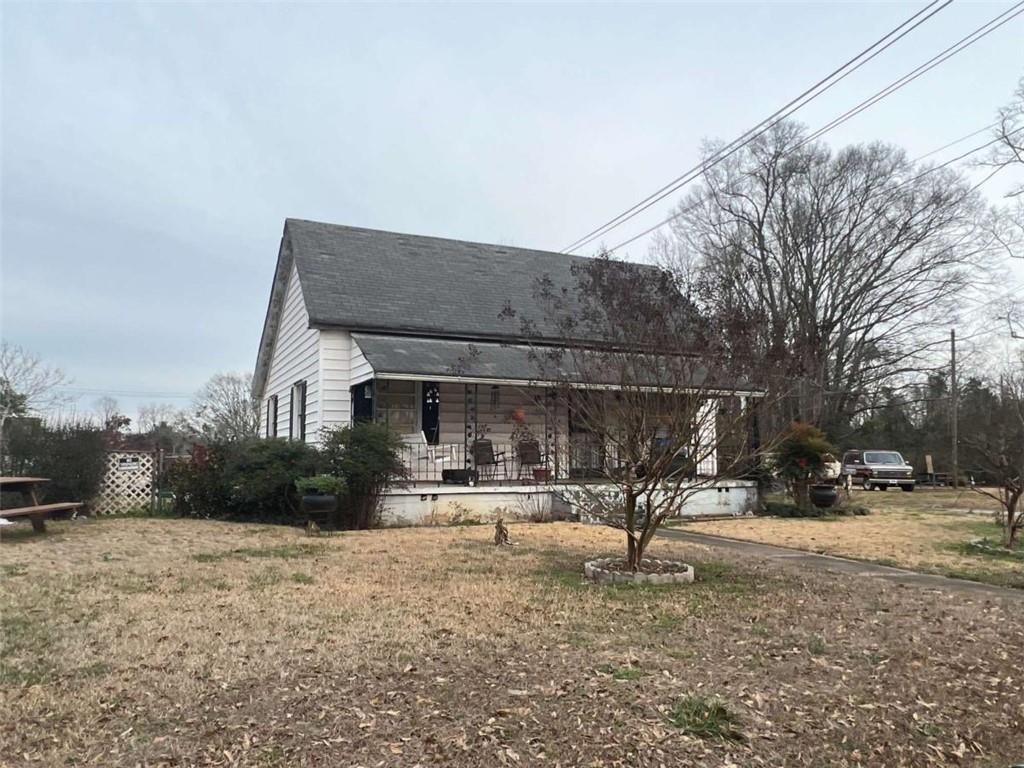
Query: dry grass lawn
x,y
189,643
927,530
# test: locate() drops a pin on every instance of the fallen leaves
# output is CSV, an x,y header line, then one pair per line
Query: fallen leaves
x,y
417,650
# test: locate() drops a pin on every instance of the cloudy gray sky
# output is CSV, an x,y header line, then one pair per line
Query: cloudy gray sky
x,y
152,152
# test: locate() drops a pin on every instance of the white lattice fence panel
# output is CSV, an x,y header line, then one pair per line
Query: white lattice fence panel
x,y
127,484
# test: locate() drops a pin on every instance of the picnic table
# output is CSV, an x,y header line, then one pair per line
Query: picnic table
x,y
33,510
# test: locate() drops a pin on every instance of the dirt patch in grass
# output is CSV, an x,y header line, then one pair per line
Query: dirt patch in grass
x,y
908,530
432,647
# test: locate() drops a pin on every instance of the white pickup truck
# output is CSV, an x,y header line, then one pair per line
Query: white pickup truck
x,y
879,470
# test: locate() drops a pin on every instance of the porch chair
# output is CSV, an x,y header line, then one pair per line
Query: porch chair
x,y
486,460
528,458
432,455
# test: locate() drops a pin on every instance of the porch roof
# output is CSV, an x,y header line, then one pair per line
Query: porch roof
x,y
418,357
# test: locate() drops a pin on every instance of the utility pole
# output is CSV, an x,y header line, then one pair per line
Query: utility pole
x,y
955,407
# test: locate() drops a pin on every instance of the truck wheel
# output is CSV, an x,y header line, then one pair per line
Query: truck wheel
x,y
907,488
868,486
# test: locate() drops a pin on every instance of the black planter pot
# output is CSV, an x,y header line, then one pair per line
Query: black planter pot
x,y
823,496
319,505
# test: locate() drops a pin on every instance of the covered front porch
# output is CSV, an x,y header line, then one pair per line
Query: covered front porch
x,y
470,414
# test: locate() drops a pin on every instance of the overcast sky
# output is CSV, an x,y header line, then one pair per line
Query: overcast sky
x,y
152,152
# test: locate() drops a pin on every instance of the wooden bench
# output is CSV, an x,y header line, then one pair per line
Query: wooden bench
x,y
39,512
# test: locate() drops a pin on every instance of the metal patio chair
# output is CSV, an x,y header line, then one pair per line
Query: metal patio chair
x,y
529,457
486,460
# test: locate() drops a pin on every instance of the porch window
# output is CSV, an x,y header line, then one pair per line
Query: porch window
x,y
272,416
397,405
297,428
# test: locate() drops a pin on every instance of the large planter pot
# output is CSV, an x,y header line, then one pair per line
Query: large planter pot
x,y
541,475
321,505
823,496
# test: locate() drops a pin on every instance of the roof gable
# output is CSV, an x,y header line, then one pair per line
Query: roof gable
x,y
371,280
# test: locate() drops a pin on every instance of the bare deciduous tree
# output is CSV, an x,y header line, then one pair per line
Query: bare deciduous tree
x,y
1009,229
854,258
649,392
27,384
1009,134
224,409
152,415
1000,448
107,408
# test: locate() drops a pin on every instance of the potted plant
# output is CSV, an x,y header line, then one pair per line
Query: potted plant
x,y
522,433
320,495
800,460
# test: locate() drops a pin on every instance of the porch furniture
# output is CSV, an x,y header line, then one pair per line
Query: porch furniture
x,y
487,461
432,455
33,510
528,458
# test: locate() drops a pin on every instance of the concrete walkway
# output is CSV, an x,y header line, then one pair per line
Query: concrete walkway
x,y
843,565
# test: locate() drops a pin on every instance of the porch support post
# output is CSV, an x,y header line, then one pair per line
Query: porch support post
x,y
469,417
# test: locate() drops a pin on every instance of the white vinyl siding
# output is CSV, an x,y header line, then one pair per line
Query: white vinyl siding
x,y
359,366
335,379
295,358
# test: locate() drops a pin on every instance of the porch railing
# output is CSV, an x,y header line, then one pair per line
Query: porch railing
x,y
447,463
453,463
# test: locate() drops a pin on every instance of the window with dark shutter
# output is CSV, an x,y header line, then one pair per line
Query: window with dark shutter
x,y
298,411
272,416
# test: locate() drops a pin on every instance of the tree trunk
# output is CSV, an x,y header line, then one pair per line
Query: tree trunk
x,y
1012,520
633,551
800,496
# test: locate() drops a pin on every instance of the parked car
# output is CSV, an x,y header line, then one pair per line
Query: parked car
x,y
879,470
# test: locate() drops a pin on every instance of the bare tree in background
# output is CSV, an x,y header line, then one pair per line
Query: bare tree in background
x,y
650,394
1009,133
1008,152
224,409
151,416
27,384
853,258
107,408
999,448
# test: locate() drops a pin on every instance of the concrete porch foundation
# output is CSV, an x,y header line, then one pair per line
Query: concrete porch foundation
x,y
452,504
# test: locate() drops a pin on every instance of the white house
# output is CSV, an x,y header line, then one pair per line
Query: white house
x,y
406,329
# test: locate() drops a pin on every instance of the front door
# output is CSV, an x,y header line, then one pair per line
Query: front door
x,y
431,413
362,402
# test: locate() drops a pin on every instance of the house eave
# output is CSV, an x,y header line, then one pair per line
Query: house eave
x,y
526,382
272,319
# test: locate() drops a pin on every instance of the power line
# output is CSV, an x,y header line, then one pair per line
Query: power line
x,y
83,391
965,42
804,98
953,143
934,168
979,33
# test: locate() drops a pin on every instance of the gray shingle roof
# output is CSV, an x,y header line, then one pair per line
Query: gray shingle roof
x,y
425,357
390,283
369,279
422,356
